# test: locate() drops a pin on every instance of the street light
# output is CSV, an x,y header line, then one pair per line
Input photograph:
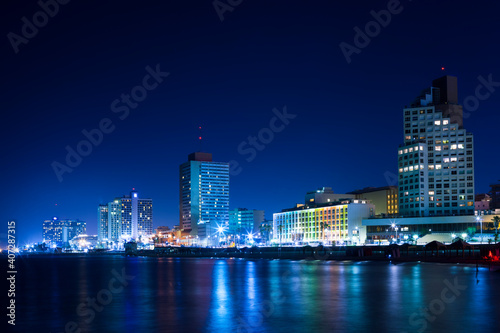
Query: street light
x,y
415,237
220,230
393,225
480,220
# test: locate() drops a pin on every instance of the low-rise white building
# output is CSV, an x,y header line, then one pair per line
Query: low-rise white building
x,y
440,228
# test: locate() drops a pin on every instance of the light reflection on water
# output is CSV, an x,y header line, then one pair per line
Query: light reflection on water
x,y
233,295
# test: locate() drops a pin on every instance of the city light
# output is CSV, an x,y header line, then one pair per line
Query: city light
x,y
354,223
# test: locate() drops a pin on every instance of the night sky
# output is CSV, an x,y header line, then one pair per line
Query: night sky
x,y
227,76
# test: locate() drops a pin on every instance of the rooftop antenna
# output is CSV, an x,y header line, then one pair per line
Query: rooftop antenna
x,y
199,137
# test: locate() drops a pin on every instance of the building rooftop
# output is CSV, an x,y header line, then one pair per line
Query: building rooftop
x,y
372,189
199,156
322,190
326,204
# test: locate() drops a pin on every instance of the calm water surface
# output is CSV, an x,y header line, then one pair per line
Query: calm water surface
x,y
235,295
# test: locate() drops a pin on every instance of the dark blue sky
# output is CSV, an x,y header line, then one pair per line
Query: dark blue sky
x,y
228,76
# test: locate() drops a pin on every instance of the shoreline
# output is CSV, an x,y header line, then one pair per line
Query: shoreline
x,y
294,254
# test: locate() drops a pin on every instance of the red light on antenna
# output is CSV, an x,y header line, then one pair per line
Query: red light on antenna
x,y
199,127
133,188
199,138
442,68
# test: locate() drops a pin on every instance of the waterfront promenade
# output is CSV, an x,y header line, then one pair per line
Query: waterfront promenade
x,y
480,254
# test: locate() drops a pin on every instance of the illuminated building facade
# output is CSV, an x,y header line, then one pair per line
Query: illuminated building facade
x,y
245,221
336,222
203,194
58,231
114,220
102,222
145,217
128,217
384,198
422,230
436,161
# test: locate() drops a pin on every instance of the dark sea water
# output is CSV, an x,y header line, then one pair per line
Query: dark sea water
x,y
235,295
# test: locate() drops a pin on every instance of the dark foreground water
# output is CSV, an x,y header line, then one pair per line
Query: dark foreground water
x,y
117,294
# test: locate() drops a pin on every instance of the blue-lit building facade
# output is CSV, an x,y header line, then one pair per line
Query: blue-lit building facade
x,y
244,221
102,222
203,195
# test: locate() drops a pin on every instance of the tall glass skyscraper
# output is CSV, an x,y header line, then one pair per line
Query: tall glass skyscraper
x,y
203,194
436,160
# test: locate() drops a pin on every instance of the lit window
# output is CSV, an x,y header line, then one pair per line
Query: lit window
x,y
437,122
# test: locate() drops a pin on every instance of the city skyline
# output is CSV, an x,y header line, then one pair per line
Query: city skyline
x,y
339,111
250,166
234,172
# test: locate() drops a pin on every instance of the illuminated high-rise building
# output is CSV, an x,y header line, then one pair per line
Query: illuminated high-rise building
x,y
114,220
128,217
203,194
436,160
102,223
145,217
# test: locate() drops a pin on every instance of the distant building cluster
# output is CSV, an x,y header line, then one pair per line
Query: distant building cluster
x,y
125,218
60,231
